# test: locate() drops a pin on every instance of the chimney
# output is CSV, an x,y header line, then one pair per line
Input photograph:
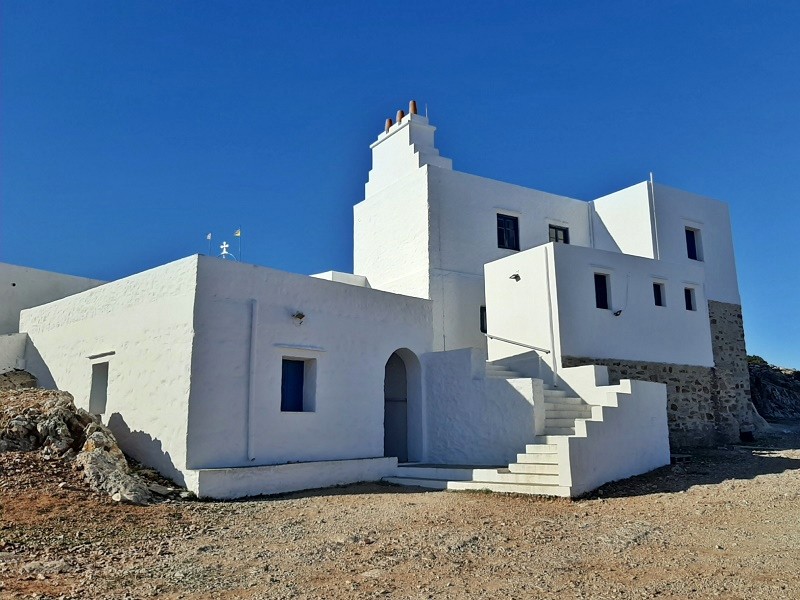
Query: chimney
x,y
400,115
388,125
412,107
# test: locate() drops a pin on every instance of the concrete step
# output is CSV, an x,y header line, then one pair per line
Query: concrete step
x,y
564,411
533,468
557,423
433,484
559,431
511,488
506,476
543,447
554,393
443,472
562,400
539,458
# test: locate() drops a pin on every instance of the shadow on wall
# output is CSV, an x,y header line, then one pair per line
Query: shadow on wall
x,y
474,420
603,240
144,448
35,365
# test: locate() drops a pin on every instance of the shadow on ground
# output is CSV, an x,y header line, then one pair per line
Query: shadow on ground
x,y
773,452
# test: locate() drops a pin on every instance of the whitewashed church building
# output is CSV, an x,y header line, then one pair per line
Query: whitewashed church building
x,y
491,337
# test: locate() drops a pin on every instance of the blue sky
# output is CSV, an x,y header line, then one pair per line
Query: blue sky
x,y
128,130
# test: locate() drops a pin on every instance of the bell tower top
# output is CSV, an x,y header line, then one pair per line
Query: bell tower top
x,y
403,147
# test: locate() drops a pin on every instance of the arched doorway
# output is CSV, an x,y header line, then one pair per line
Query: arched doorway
x,y
395,409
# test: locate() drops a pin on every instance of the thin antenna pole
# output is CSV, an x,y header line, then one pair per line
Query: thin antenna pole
x,y
240,245
208,237
426,110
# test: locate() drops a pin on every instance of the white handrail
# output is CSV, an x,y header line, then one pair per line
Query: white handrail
x,y
494,337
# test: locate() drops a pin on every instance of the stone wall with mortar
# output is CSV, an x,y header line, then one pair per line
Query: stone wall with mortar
x,y
705,406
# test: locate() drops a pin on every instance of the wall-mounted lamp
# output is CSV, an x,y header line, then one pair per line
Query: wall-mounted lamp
x,y
515,277
298,317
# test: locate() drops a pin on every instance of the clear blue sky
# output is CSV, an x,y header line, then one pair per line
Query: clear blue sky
x,y
131,129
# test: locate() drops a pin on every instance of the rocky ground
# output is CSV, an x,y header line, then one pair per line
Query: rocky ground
x,y
722,523
775,390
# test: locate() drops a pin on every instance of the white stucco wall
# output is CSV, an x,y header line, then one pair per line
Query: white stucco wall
x,y
12,351
142,326
633,437
22,287
675,210
474,420
235,417
391,237
463,237
642,331
407,146
523,311
622,222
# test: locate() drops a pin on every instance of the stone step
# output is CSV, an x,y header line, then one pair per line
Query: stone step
x,y
533,468
511,488
543,447
433,484
540,458
559,431
444,472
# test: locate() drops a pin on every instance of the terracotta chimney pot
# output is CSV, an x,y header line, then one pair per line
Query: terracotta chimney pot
x,y
412,107
388,125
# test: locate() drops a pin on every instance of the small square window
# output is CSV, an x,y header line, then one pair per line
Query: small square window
x,y
507,232
298,385
601,290
659,296
688,295
694,247
559,234
484,328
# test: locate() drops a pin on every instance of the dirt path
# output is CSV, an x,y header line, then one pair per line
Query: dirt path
x,y
722,523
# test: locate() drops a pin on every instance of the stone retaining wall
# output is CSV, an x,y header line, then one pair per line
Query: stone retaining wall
x,y
705,405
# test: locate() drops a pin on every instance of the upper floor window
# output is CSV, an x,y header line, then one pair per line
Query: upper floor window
x,y
602,294
484,328
694,246
559,234
659,296
507,232
689,299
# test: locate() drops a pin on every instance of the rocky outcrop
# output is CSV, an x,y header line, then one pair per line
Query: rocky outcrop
x,y
48,421
775,391
16,380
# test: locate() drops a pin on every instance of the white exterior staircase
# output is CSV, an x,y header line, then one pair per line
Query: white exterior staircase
x,y
581,445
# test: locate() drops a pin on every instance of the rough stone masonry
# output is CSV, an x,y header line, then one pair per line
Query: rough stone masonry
x,y
705,405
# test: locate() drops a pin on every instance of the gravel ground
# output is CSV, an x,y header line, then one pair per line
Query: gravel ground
x,y
721,523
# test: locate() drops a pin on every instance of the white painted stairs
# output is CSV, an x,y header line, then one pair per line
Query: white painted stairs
x,y
565,460
536,470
